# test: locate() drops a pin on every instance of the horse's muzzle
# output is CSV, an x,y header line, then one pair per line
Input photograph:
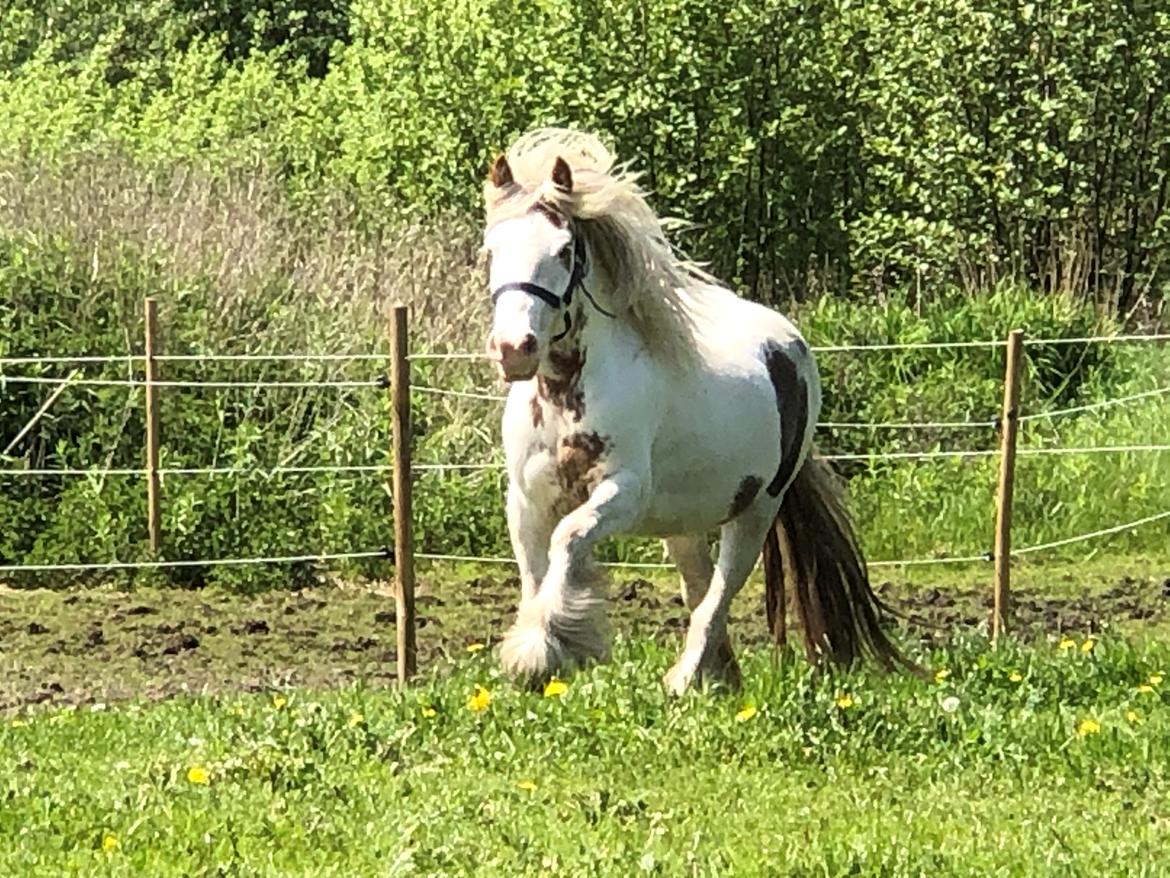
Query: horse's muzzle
x,y
516,362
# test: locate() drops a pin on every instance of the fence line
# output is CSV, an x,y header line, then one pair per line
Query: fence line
x,y
217,385
481,467
400,391
1093,406
1149,519
215,562
471,355
459,394
488,559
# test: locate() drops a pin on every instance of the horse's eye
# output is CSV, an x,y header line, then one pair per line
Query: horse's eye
x,y
566,254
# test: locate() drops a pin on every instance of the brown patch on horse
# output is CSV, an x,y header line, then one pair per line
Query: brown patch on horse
x,y
792,404
744,495
550,213
563,389
537,411
578,459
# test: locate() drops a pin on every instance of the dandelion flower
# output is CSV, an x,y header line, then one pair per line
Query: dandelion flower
x,y
17,723
845,701
746,713
1088,645
1145,689
473,648
555,688
950,704
1088,727
356,719
941,675
1134,717
1016,677
529,786
429,712
279,701
479,700
110,843
1155,680
1067,643
197,774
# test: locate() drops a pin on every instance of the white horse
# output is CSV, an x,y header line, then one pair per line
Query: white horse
x,y
648,399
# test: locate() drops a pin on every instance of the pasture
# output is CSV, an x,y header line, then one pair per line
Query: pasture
x,y
203,733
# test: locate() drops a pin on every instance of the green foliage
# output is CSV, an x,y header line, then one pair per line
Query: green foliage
x,y
843,145
611,779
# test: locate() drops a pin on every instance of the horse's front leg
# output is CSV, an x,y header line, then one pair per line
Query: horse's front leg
x,y
530,529
564,623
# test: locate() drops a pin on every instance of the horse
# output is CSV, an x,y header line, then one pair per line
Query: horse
x,y
646,398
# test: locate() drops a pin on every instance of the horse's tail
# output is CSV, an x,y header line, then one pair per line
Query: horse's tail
x,y
813,548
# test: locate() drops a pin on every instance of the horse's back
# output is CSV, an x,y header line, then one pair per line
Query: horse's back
x,y
733,425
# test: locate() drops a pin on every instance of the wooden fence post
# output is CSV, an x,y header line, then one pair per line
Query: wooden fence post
x,y
401,486
153,509
1009,429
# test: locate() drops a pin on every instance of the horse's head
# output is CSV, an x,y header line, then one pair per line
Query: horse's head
x,y
537,264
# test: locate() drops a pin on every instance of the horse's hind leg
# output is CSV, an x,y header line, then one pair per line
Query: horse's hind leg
x,y
692,557
739,548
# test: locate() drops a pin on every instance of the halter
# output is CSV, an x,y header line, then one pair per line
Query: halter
x,y
576,282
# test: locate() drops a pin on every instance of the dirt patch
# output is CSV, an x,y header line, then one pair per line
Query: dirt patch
x,y
90,646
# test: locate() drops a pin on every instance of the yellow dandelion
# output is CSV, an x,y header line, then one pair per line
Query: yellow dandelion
x,y
473,648
197,774
479,699
1088,645
529,786
1134,717
555,688
1067,643
746,713
1155,680
1145,689
1088,727
356,719
845,701
1016,676
17,723
279,701
429,712
110,843
941,675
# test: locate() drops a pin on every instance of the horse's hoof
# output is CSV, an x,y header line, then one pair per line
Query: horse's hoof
x,y
530,653
678,679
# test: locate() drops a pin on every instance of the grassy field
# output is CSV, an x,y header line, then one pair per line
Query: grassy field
x,y
263,751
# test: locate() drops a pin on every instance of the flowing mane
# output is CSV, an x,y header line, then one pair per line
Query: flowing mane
x,y
663,295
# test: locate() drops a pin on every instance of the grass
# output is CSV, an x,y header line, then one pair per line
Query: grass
x,y
1048,759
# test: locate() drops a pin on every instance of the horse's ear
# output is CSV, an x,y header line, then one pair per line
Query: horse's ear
x,y
501,173
562,176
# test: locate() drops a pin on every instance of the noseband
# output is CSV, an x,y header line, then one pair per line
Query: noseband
x,y
576,282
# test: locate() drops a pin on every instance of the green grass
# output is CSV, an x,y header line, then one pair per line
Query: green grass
x,y
614,779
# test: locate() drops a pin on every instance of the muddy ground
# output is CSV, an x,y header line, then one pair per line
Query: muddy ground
x,y
75,647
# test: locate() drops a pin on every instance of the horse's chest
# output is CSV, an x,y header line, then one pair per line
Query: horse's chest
x,y
554,457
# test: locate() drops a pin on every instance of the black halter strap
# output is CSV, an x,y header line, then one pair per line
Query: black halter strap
x,y
576,282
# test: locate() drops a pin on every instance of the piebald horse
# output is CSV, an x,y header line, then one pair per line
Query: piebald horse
x,y
646,398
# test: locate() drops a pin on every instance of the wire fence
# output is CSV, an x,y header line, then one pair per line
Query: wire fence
x,y
989,344
75,379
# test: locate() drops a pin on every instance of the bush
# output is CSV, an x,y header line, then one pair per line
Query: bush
x,y
870,147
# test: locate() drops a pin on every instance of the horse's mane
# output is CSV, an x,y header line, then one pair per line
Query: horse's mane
x,y
662,294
